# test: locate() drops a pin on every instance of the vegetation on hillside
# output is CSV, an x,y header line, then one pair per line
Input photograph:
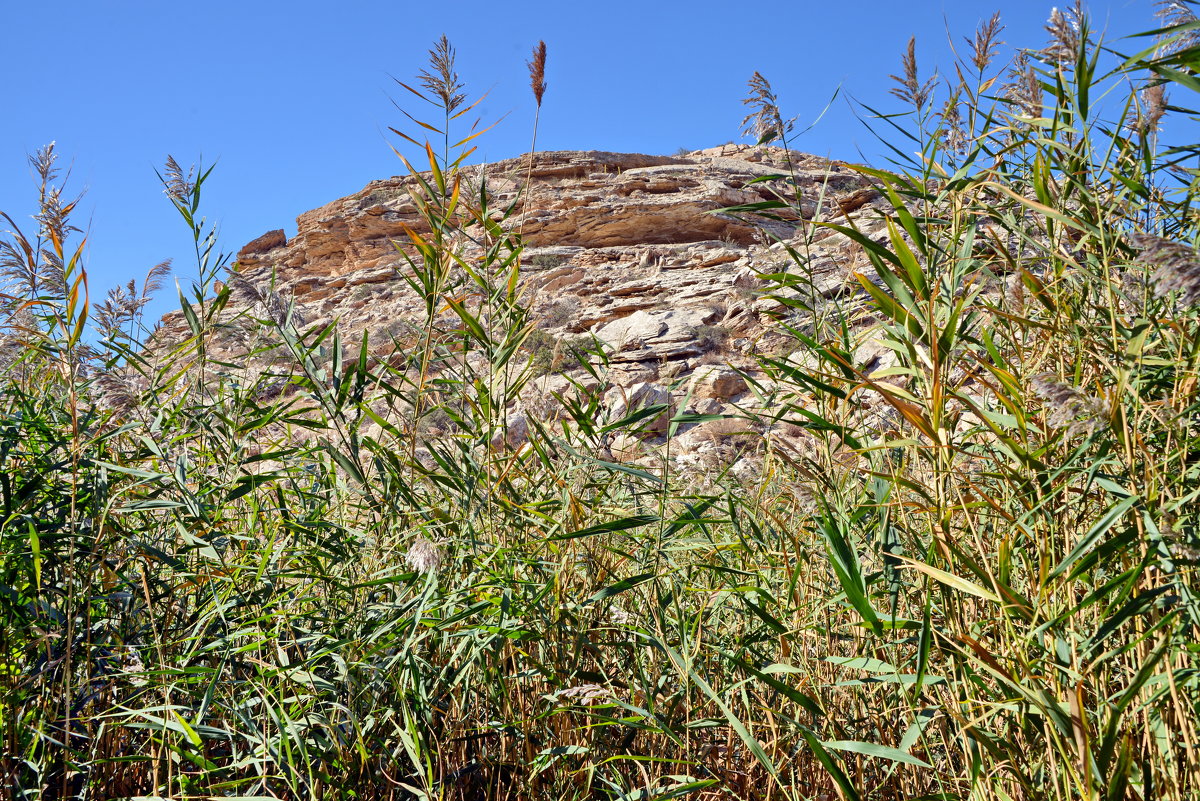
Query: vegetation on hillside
x,y
977,579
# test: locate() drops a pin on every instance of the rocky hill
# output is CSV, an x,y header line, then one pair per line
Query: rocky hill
x,y
630,249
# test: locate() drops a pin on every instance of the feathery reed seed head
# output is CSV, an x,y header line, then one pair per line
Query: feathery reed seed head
x,y
911,90
1014,296
177,185
441,79
1070,406
1176,267
1176,14
1151,106
1023,92
425,556
16,334
118,392
1065,29
951,130
43,161
765,124
277,308
1181,546
621,617
537,72
986,41
30,268
123,304
586,694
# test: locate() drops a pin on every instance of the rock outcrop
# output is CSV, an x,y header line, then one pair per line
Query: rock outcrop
x,y
631,249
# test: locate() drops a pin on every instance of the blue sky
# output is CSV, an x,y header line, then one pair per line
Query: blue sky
x,y
293,100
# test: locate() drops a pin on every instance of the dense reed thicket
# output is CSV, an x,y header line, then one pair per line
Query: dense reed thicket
x,y
977,580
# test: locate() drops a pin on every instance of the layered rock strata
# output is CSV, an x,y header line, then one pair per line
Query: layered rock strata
x,y
630,249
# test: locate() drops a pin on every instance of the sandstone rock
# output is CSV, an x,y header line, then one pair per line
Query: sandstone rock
x,y
629,249
718,382
626,448
727,431
607,235
623,401
872,356
746,279
856,200
708,406
263,244
515,433
659,334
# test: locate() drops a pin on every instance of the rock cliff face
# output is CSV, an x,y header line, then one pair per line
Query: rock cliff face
x,y
628,248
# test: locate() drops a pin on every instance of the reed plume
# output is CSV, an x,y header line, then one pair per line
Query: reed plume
x,y
442,79
119,391
1066,30
33,267
952,133
279,310
986,42
176,184
1176,14
1176,267
911,89
425,556
1151,107
16,333
1023,92
537,72
1070,407
124,304
765,123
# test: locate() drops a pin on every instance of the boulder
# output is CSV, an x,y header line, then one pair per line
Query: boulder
x,y
623,401
719,382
